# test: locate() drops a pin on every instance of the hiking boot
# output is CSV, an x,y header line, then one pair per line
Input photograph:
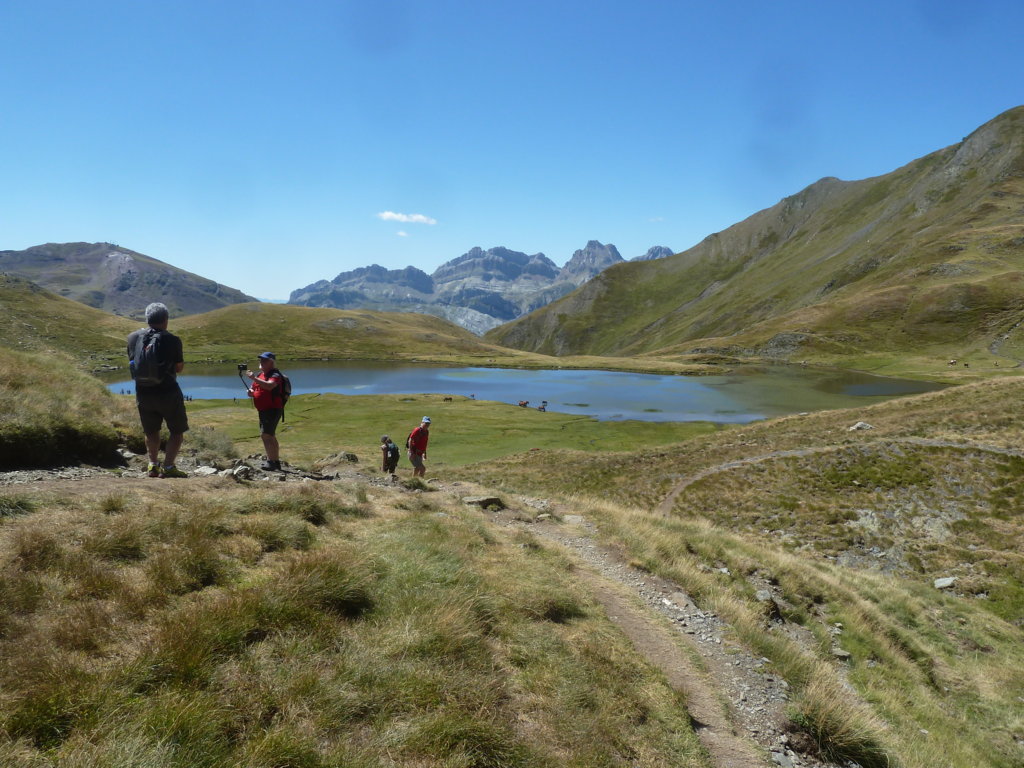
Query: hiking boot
x,y
173,472
153,470
271,466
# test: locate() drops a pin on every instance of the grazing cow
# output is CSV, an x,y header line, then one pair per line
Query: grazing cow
x,y
447,400
952,362
524,403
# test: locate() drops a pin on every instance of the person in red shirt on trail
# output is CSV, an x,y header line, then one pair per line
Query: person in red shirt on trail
x,y
417,445
266,396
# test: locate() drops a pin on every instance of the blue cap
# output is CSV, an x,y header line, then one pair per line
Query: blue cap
x,y
268,356
426,420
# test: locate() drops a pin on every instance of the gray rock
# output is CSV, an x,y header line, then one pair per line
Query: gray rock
x,y
205,471
243,472
859,426
945,582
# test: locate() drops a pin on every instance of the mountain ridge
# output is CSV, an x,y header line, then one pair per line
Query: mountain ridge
x,y
118,280
478,290
841,267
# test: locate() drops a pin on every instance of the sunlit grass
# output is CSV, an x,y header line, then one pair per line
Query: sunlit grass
x,y
311,625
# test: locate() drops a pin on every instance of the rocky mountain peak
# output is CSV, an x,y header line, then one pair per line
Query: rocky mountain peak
x,y
117,280
589,261
655,252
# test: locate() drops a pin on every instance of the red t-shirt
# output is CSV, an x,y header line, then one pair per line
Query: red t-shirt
x,y
418,440
265,399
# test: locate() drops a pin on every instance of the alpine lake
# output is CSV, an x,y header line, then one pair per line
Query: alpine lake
x,y
743,395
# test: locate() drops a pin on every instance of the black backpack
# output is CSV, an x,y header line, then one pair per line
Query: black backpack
x,y
284,389
147,367
392,451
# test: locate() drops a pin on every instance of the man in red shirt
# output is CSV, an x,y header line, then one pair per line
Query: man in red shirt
x,y
266,396
417,444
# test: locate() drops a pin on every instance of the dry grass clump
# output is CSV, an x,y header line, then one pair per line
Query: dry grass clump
x,y
842,728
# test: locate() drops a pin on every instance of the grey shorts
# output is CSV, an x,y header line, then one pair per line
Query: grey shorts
x,y
158,407
269,420
416,459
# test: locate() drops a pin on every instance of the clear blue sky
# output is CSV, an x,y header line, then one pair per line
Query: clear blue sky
x,y
262,144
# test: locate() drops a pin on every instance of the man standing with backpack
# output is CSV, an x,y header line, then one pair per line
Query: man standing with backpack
x,y
268,395
155,358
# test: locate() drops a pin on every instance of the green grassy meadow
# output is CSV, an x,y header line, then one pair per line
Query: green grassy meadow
x,y
462,432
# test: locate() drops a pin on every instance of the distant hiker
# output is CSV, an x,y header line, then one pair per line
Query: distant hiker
x,y
389,455
267,395
416,442
155,359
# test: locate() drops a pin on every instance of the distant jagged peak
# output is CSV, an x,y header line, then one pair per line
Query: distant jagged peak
x,y
655,252
496,263
371,279
375,273
589,261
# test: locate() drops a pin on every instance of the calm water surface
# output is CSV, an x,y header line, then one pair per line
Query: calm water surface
x,y
745,395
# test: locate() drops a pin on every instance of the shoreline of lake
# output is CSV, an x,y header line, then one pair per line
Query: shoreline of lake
x,y
741,395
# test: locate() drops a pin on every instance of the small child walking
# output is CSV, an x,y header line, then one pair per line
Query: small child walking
x,y
389,452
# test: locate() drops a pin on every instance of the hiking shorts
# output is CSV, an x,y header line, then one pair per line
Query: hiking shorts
x,y
390,465
416,459
155,408
269,420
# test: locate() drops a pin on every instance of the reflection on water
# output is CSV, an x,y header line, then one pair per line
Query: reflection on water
x,y
739,397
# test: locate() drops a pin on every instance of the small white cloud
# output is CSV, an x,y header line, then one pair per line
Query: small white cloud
x,y
406,218
656,219
402,233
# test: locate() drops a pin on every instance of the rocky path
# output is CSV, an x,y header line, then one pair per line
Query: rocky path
x,y
736,704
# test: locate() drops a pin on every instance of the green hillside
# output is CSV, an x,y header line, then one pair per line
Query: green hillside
x,y
926,260
36,320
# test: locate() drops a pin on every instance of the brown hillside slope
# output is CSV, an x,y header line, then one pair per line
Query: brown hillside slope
x,y
930,254
116,279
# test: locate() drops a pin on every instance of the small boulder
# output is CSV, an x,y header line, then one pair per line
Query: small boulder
x,y
945,582
205,471
859,426
242,472
769,608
